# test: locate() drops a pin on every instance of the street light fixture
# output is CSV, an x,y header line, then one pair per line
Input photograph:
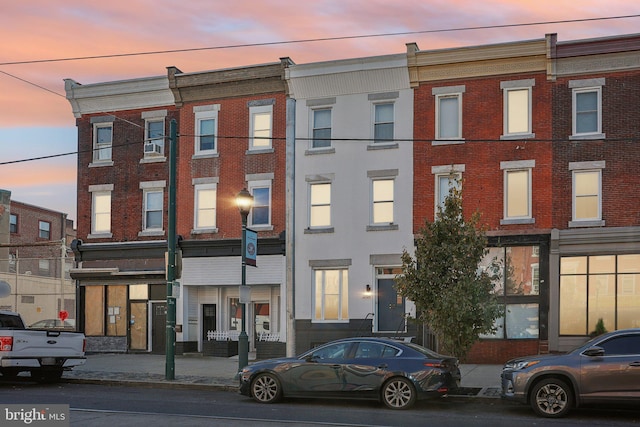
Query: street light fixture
x,y
244,201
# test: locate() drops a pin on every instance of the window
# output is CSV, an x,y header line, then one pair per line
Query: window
x,y
44,267
517,191
102,141
332,351
261,210
205,206
154,138
321,128
260,127
383,123
597,287
382,201
13,223
101,209
519,288
44,229
448,112
320,205
586,195
153,202
587,107
331,294
444,184
206,129
517,108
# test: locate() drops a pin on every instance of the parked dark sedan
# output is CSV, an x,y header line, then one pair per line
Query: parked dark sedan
x,y
604,370
397,373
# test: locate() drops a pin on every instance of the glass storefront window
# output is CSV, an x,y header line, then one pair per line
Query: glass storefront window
x,y
603,287
522,321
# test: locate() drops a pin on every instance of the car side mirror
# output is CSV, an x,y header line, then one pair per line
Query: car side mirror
x,y
594,352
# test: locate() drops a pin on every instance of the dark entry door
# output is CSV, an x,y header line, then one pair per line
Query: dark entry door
x,y
159,325
208,320
390,307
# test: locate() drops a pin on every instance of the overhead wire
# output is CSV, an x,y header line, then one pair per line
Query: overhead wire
x,y
485,27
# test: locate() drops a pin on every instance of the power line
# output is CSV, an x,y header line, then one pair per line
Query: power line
x,y
323,39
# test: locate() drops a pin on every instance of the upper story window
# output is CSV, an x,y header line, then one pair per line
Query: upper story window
x,y
261,210
206,122
205,206
446,178
517,108
101,210
448,113
13,223
382,201
320,205
321,128
44,230
383,125
587,108
154,138
152,207
102,141
517,192
260,127
587,193
154,134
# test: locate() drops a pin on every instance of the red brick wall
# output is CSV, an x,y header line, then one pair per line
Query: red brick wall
x,y
231,166
126,174
620,150
496,352
483,151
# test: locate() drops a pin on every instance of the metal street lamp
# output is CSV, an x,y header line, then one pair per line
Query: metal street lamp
x,y
244,200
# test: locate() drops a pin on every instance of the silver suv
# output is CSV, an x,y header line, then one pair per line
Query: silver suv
x,y
604,370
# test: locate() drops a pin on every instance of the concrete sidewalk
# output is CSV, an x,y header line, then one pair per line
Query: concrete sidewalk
x,y
196,371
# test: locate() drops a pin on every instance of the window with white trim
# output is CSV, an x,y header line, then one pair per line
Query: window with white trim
x,y
517,108
382,201
260,124
44,230
101,212
444,183
102,141
331,294
206,123
205,206
261,209
383,125
320,204
153,208
517,191
586,195
154,138
586,96
321,137
448,112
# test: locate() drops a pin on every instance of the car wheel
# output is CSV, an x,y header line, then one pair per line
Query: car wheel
x,y
398,393
551,398
265,388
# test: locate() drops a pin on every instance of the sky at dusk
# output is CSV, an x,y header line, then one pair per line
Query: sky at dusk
x,y
37,121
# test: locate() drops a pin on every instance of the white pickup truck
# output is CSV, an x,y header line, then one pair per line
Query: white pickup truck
x,y
43,353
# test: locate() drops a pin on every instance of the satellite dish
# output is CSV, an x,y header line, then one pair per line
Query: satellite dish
x,y
5,289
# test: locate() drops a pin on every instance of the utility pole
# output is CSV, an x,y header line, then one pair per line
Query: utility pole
x,y
170,368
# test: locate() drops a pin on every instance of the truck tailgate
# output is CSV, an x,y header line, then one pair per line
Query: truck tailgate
x,y
41,343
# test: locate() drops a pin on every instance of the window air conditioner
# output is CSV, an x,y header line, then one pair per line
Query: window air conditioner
x,y
151,147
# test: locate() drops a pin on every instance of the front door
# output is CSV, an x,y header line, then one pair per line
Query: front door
x,y
208,320
159,327
390,307
138,326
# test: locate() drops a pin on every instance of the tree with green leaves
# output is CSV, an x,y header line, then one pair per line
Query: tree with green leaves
x,y
454,295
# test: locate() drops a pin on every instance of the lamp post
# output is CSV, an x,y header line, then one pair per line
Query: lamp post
x,y
244,200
